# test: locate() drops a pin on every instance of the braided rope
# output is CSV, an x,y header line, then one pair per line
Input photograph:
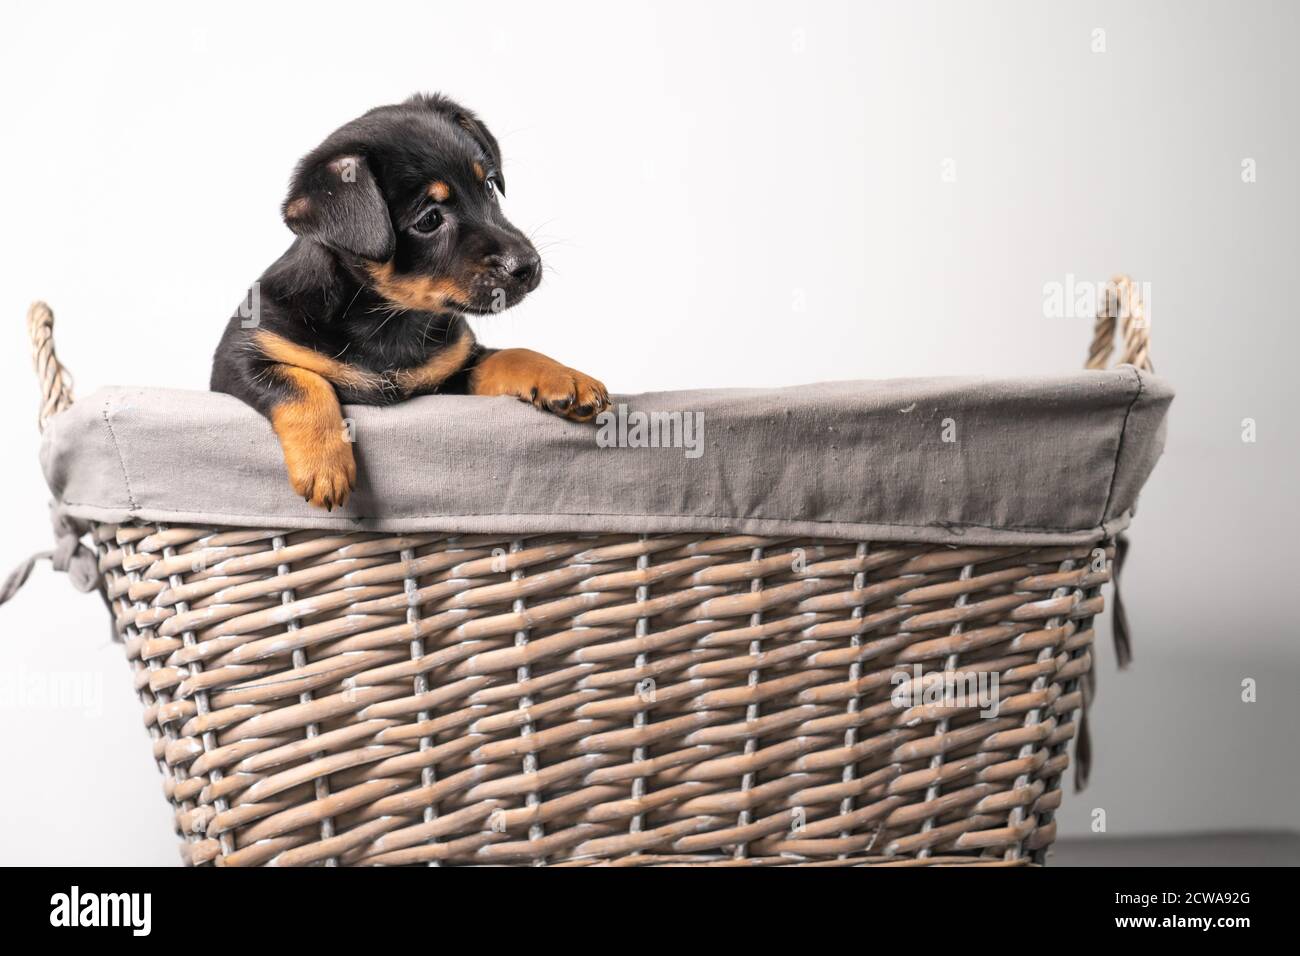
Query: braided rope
x,y
1121,300
56,381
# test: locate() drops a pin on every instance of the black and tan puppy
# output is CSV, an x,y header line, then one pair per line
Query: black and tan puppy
x,y
400,236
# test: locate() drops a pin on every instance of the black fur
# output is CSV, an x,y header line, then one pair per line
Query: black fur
x,y
354,203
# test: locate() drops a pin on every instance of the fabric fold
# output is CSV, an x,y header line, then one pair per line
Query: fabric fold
x,y
1029,461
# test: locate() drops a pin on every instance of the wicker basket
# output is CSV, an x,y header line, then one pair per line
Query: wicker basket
x,y
636,699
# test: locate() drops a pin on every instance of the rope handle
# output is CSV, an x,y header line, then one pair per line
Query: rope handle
x,y
55,380
70,553
1121,300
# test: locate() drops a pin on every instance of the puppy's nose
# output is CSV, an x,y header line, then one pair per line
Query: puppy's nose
x,y
522,267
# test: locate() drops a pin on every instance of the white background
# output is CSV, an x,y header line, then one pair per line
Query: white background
x,y
730,193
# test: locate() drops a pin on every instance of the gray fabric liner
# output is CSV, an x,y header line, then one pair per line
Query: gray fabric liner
x,y
1036,461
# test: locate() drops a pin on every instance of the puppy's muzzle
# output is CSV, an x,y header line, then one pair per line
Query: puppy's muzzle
x,y
522,268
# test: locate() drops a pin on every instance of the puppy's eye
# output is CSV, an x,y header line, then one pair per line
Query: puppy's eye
x,y
429,222
491,185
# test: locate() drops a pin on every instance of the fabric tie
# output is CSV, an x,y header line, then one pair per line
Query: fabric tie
x,y
69,555
1123,639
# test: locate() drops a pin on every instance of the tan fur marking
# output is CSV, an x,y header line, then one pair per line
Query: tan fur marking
x,y
279,349
344,166
414,292
439,191
479,171
443,364
536,378
310,427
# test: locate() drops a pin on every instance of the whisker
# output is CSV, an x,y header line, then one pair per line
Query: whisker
x,y
375,331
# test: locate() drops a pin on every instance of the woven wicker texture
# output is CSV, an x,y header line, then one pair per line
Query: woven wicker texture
x,y
340,699
367,699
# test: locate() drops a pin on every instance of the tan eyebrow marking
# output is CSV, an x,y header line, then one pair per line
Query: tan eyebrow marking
x,y
345,167
439,191
298,208
479,171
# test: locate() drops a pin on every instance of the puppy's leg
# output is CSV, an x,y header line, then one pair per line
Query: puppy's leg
x,y
532,377
309,423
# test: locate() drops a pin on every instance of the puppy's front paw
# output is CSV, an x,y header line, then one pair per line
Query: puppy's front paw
x,y
533,377
318,457
569,393
324,475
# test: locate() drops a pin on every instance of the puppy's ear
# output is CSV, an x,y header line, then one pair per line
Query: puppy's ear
x,y
337,202
470,123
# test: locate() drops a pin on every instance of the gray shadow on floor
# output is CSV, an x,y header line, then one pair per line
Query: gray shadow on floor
x,y
1204,849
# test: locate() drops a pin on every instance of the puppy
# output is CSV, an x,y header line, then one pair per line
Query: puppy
x,y
400,235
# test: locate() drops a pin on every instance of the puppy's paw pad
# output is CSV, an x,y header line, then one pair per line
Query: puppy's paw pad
x,y
592,398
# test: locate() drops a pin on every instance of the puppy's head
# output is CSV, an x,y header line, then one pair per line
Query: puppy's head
x,y
409,196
